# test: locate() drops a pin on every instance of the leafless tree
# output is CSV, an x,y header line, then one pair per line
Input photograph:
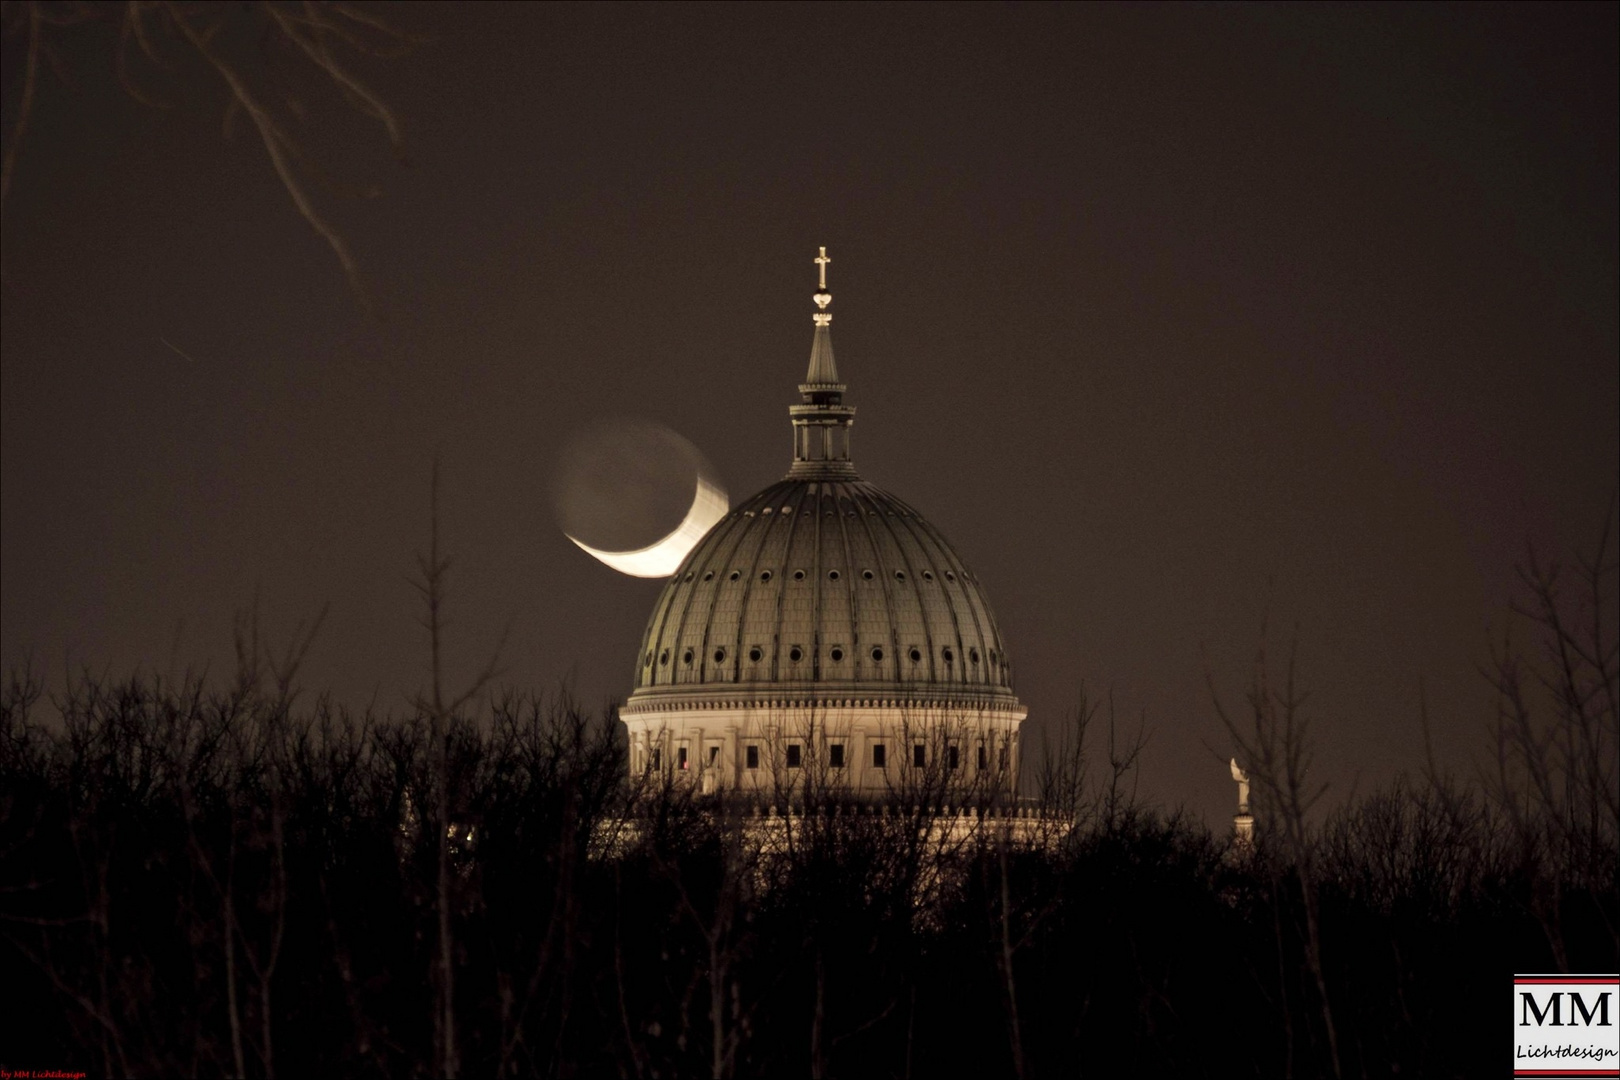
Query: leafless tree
x,y
1556,732
441,708
1274,745
321,37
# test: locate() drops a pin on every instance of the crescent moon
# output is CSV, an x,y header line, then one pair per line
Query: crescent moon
x,y
663,558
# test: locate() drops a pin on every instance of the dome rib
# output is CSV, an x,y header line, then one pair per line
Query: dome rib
x,y
779,613
889,629
911,591
961,646
889,632
750,575
847,580
978,607
779,570
694,564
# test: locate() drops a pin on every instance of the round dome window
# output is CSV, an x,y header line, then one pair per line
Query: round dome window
x,y
795,654
719,656
755,654
837,654
916,655
877,654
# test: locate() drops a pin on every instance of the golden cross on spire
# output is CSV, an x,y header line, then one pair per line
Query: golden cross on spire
x,y
821,262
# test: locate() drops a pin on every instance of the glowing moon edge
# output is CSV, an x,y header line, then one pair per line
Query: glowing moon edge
x,y
663,558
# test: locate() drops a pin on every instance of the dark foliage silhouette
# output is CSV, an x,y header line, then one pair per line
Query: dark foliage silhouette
x,y
231,880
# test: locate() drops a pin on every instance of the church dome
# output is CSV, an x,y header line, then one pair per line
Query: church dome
x,y
826,586
822,588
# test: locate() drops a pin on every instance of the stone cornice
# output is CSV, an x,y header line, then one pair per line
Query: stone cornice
x,y
765,699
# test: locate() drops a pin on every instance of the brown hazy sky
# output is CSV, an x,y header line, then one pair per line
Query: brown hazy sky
x,y
1167,316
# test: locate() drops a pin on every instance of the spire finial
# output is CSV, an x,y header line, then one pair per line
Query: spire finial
x,y
822,297
821,421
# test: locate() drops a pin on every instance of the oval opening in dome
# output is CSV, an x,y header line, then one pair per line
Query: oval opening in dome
x,y
755,654
719,656
916,655
973,656
735,574
867,574
795,654
877,654
928,575
949,656
686,658
899,575
798,575
765,575
709,576
648,661
837,654
663,657
950,576
832,575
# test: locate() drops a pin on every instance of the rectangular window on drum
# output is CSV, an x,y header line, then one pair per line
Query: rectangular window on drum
x,y
919,756
835,755
794,754
752,756
880,756
680,758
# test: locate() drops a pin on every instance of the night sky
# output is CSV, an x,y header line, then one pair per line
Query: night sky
x,y
1169,317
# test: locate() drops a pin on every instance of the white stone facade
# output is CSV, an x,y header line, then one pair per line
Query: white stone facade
x,y
863,750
